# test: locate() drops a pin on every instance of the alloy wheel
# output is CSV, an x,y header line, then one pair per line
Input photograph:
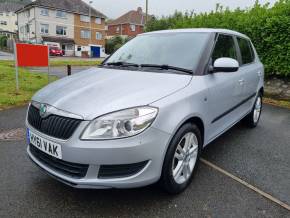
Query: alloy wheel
x,y
257,109
185,157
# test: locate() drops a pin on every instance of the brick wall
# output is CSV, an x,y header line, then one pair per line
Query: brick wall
x,y
126,30
80,25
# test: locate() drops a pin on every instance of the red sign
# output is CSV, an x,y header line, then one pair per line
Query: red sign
x,y
32,55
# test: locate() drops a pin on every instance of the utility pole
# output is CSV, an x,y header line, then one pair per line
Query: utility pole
x,y
146,11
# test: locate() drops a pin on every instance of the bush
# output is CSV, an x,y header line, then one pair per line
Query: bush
x,y
115,43
3,42
268,27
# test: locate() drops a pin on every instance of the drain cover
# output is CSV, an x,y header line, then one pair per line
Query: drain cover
x,y
12,135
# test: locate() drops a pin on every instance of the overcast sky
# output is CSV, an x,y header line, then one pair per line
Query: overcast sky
x,y
115,8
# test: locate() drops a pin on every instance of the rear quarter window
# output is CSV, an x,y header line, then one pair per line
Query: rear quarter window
x,y
247,52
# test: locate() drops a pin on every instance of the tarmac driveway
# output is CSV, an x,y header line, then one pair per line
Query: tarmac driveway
x,y
259,156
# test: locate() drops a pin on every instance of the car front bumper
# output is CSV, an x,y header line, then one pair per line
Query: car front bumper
x,y
149,146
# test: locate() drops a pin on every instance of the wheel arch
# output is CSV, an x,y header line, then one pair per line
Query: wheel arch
x,y
197,121
194,120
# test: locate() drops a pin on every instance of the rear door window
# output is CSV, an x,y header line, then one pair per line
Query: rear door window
x,y
224,48
247,52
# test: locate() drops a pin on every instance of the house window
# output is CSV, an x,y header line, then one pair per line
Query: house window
x,y
98,20
27,13
1,13
85,18
22,29
61,30
44,12
44,28
133,27
99,36
61,14
118,29
79,48
70,47
85,34
3,22
27,28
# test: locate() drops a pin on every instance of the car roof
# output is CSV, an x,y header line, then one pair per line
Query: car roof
x,y
198,30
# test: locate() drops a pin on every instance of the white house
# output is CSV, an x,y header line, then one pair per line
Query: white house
x,y
8,19
65,24
53,27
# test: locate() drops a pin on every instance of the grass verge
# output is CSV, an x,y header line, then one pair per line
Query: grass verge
x,y
60,63
29,83
56,63
280,103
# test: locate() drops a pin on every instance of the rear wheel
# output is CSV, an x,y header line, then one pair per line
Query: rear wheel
x,y
252,119
181,159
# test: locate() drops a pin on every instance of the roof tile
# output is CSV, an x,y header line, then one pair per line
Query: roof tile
x,y
9,6
131,17
75,6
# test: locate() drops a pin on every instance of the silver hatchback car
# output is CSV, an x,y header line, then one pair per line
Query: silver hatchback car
x,y
147,112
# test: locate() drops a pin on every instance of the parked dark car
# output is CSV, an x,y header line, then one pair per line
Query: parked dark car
x,y
55,51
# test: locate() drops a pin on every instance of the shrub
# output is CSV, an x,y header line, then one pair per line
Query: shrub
x,y
3,42
115,43
268,27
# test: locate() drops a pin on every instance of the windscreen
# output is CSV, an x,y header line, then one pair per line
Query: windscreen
x,y
175,49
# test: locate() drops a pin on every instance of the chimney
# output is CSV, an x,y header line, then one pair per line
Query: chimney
x,y
139,9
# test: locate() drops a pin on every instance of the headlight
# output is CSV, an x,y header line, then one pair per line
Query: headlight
x,y
120,124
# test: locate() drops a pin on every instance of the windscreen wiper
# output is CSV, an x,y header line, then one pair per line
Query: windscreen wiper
x,y
167,67
122,64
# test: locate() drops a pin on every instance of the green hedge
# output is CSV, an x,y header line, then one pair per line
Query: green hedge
x,y
268,27
115,43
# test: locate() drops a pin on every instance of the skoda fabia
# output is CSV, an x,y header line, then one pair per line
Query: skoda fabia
x,y
145,114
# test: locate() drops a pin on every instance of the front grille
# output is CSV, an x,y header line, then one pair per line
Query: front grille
x,y
119,171
73,170
53,125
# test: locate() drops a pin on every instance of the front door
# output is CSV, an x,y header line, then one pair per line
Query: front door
x,y
225,89
96,51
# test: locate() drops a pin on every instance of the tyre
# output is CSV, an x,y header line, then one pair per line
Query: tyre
x,y
181,159
252,119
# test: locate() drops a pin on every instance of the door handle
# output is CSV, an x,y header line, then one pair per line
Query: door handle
x,y
259,73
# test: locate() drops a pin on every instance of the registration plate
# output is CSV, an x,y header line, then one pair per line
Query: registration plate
x,y
44,145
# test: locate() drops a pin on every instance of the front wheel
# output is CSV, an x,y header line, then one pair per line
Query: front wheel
x,y
181,159
252,119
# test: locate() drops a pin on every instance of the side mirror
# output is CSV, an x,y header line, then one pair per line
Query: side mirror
x,y
225,65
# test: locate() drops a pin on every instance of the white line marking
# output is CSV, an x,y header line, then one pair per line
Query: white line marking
x,y
237,179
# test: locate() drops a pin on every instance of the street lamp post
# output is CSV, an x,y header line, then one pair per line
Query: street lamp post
x,y
90,14
146,11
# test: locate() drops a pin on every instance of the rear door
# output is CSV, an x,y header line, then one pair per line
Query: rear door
x,y
251,71
225,88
